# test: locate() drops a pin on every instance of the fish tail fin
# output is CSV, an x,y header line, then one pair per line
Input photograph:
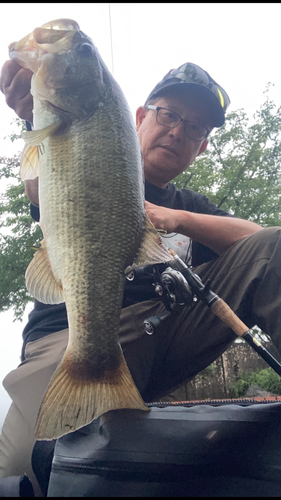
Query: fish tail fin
x,y
70,403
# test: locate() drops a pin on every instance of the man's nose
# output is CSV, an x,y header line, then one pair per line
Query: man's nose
x,y
179,131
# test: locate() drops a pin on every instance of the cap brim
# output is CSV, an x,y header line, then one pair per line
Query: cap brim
x,y
216,109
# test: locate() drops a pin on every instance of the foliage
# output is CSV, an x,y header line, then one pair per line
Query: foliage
x,y
18,234
209,371
241,169
267,379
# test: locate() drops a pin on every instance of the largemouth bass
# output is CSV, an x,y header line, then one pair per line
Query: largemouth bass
x,y
86,152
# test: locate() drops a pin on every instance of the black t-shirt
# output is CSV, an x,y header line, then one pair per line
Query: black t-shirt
x,y
45,318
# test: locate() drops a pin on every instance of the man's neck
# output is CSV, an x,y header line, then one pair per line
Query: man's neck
x,y
157,183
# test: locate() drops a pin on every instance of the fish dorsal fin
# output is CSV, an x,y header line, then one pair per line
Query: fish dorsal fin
x,y
29,163
40,280
36,137
152,250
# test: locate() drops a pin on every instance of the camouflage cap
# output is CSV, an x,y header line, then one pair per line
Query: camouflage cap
x,y
191,76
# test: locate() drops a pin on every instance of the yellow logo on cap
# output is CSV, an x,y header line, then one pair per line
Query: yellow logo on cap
x,y
221,98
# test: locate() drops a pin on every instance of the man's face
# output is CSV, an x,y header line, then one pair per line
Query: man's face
x,y
168,152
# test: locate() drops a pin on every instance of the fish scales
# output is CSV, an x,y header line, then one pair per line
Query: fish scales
x,y
92,217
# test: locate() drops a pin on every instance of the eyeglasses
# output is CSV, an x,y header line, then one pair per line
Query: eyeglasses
x,y
170,119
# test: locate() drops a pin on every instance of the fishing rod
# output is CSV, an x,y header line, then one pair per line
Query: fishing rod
x,y
184,290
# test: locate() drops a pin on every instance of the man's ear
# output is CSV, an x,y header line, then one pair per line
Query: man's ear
x,y
203,147
140,115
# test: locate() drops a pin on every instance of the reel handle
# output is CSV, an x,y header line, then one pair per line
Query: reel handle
x,y
153,322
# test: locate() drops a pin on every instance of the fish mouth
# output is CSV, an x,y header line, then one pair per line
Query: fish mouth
x,y
51,37
62,24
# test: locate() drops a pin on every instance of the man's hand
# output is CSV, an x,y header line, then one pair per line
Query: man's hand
x,y
217,233
15,83
162,217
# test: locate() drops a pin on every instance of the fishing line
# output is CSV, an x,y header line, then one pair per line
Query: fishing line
x,y
110,30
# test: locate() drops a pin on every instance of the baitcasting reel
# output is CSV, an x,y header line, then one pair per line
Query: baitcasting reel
x,y
174,291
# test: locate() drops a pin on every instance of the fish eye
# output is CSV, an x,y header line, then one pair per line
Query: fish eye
x,y
85,49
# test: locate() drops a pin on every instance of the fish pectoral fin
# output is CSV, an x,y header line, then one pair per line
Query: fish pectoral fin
x,y
40,280
29,163
152,250
70,402
36,137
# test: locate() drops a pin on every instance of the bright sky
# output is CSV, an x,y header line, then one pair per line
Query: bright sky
x,y
237,43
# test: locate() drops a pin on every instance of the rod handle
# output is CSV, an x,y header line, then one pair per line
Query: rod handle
x,y
225,313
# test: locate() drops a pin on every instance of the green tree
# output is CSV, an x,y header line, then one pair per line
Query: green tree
x,y
18,234
241,169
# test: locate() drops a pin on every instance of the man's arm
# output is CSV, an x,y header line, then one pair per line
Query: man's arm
x,y
215,232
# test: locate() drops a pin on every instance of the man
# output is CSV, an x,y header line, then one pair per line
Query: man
x,y
239,257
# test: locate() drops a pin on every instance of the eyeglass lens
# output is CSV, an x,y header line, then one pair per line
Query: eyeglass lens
x,y
171,119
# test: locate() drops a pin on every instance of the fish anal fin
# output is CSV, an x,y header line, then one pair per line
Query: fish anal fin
x,y
29,163
70,403
40,280
152,250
